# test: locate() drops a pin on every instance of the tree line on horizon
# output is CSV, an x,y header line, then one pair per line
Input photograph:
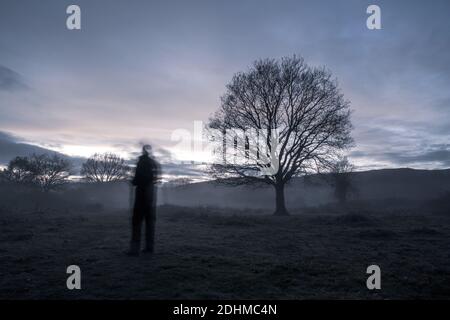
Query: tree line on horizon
x,y
48,172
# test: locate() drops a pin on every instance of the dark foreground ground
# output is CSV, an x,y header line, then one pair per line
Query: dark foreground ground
x,y
216,254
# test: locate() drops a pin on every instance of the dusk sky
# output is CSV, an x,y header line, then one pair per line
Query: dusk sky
x,y
138,70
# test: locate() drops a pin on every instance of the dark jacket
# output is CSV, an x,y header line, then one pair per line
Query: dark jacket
x,y
146,175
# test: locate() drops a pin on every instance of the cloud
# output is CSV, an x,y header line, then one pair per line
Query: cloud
x,y
6,137
11,80
116,81
12,146
436,156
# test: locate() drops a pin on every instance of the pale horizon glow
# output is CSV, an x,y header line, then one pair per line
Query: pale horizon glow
x,y
88,151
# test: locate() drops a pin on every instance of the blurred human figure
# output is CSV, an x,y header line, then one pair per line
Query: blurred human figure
x,y
145,178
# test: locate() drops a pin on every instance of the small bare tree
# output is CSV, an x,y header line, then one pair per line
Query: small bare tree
x,y
281,119
49,172
105,167
18,171
45,171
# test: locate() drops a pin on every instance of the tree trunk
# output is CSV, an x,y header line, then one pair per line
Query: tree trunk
x,y
280,202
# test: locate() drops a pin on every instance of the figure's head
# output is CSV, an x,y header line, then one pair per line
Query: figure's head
x,y
147,150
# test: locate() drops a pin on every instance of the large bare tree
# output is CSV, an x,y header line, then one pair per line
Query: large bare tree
x,y
280,119
105,167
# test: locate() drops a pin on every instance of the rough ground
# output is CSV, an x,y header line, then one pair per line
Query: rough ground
x,y
219,254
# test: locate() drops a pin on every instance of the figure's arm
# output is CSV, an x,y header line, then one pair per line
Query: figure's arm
x,y
137,174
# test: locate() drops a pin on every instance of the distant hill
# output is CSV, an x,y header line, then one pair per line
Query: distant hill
x,y
389,188
386,184
10,148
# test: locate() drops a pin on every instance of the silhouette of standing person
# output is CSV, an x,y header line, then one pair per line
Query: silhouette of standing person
x,y
146,175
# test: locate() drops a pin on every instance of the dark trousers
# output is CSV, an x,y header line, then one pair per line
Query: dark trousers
x,y
138,219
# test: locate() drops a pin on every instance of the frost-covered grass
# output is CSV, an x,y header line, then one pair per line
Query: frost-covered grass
x,y
209,253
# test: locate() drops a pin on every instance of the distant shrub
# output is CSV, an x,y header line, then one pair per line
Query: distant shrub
x,y
46,171
105,167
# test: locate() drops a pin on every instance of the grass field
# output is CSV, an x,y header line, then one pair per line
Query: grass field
x,y
209,253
